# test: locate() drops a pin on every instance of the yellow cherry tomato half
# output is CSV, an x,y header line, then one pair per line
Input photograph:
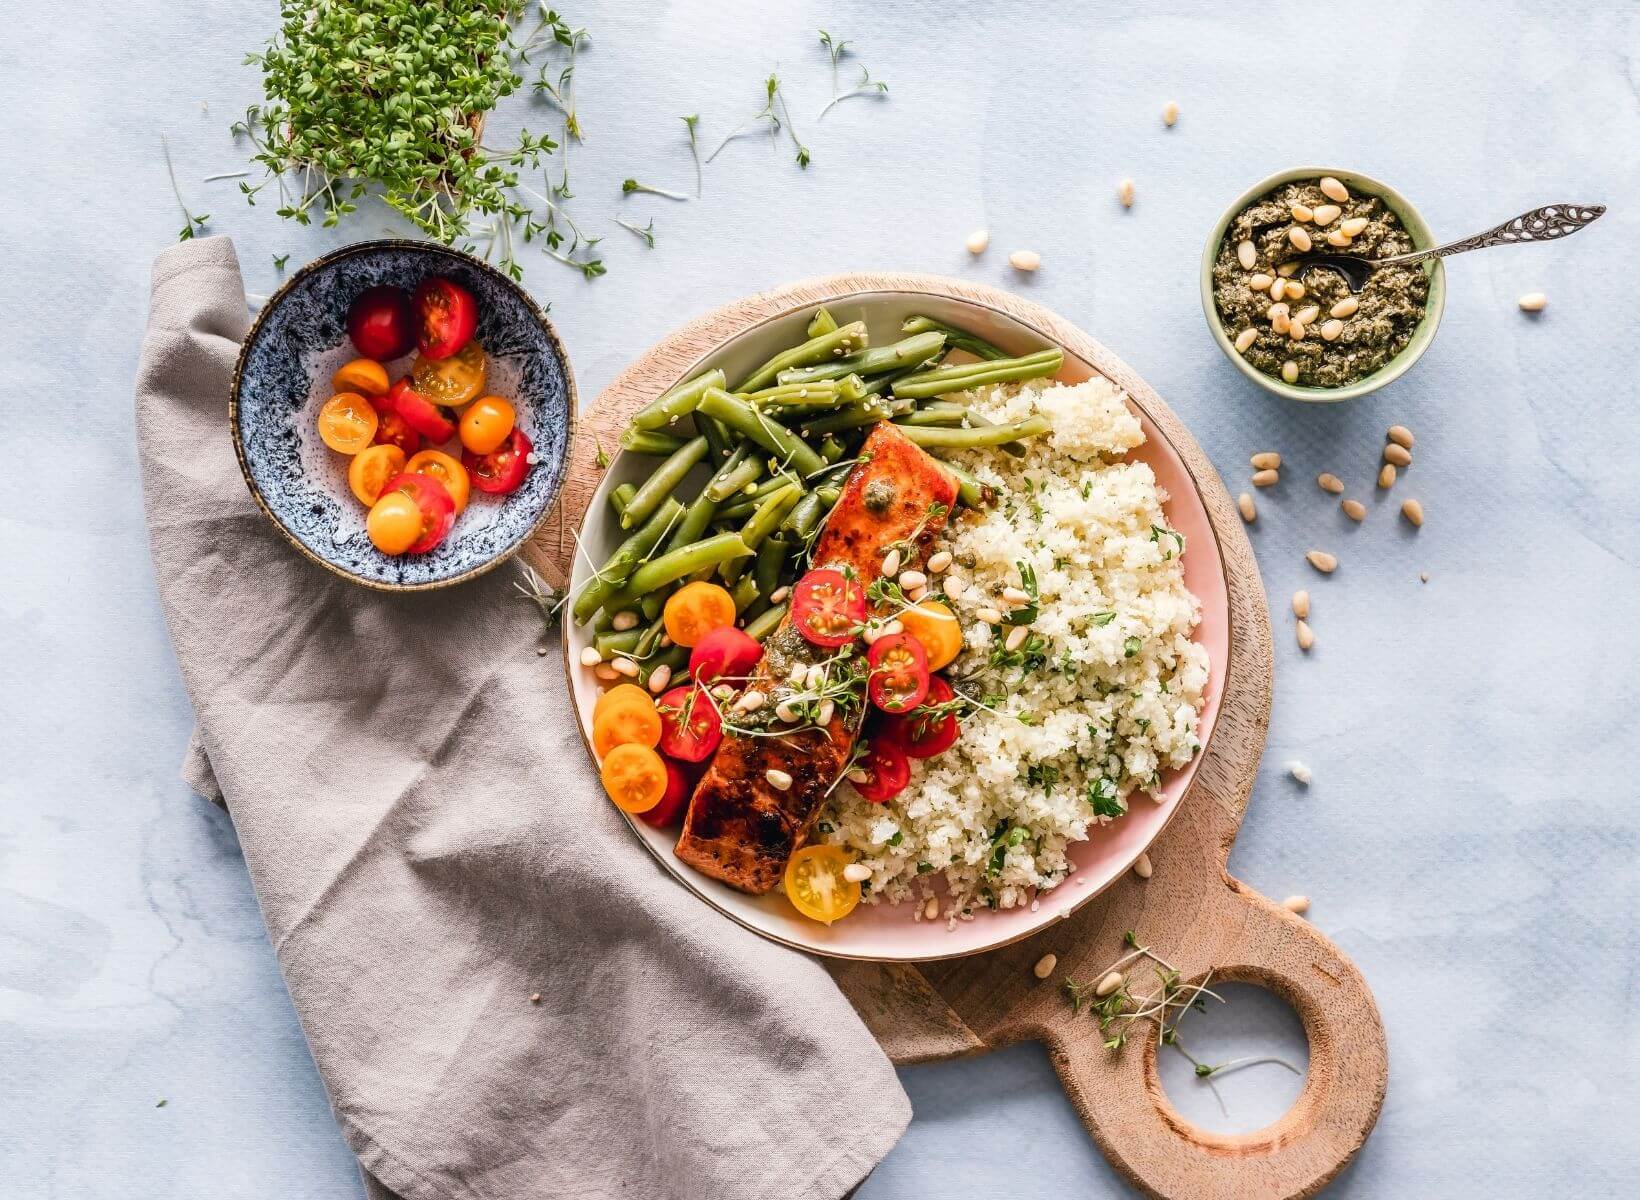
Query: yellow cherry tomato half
x,y
454,380
635,777
935,626
815,884
370,470
394,523
486,424
695,609
436,464
626,721
363,375
347,423
620,693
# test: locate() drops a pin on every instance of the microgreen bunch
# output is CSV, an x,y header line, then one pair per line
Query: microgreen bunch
x,y
556,32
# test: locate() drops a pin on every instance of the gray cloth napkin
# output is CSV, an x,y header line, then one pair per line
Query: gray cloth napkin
x,y
430,847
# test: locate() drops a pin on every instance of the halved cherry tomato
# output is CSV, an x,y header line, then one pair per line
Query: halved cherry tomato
x,y
503,470
634,776
628,720
362,375
695,609
420,413
923,732
448,315
673,801
726,653
828,608
936,627
347,423
815,884
887,771
370,470
454,380
382,323
620,692
899,673
486,424
690,725
394,430
433,503
435,464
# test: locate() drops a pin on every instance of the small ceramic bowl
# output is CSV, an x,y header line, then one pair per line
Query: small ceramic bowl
x,y
1395,367
283,377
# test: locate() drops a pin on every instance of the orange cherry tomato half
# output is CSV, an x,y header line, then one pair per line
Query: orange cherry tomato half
x,y
454,380
828,608
394,430
486,424
815,884
447,315
695,609
620,693
362,375
420,413
936,627
501,471
435,464
634,776
433,503
673,801
690,725
626,722
347,423
370,470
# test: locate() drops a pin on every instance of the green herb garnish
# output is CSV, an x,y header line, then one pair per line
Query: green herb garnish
x,y
692,121
190,223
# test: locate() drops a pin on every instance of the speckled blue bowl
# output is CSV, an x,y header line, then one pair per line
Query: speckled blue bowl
x,y
277,380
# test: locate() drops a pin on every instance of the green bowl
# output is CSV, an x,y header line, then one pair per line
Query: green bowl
x,y
1395,367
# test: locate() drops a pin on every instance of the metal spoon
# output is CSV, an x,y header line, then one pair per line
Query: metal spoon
x,y
1540,225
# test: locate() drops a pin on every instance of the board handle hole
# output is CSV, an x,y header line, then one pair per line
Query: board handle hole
x,y
1253,1023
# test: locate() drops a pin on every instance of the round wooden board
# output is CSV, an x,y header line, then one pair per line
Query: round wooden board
x,y
1191,911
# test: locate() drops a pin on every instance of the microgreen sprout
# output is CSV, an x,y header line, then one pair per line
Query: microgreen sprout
x,y
548,600
190,223
646,232
279,261
866,86
770,86
692,122
562,94
803,156
834,50
631,187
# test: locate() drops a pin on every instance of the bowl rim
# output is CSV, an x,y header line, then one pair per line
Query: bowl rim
x,y
354,249
1422,336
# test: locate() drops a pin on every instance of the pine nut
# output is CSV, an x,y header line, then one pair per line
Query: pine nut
x,y
1386,476
1344,308
917,594
1295,290
1170,114
1267,460
891,563
1278,309
624,621
1278,288
1400,435
666,639
779,594
858,776
978,241
1124,193
779,780
1024,260
1289,371
1299,772
939,561
1045,965
1413,511
797,675
1142,867
1296,904
1266,478
1297,330
1301,604
1109,984
955,587
1249,510
1423,576
1337,237
1247,255
1333,190
894,626
1015,595
1306,635
590,657
989,615
1287,270
1261,282
1281,323
1245,339
912,579
856,872
827,709
625,666
1353,227
1299,238
1398,454
1322,561
931,910
1354,510
1328,482
1533,302
751,701
785,712
605,672
1016,637
659,678
1307,314
1330,330
1326,214
1303,212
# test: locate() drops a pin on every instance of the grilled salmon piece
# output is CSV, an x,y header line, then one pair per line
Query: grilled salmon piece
x,y
740,828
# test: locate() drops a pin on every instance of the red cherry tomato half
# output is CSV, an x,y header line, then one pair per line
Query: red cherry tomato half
x,y
690,725
673,801
922,733
725,652
828,608
420,413
887,771
394,430
381,323
448,314
438,511
899,673
501,470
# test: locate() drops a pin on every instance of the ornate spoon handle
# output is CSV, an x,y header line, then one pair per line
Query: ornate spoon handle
x,y
1540,225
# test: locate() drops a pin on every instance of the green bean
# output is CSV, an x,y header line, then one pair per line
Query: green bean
x,y
675,564
851,388
767,621
743,593
742,467
853,417
651,639
803,518
760,525
831,449
677,402
621,496
717,438
965,439
696,518
776,439
908,352
650,605
829,496
644,441
957,339
771,557
970,491
882,383
823,322
620,565
963,376
624,642
825,393
663,481
837,344
939,414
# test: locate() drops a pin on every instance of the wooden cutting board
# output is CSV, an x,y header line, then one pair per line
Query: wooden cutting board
x,y
1191,911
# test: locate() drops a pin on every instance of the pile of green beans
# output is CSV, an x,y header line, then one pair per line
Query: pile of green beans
x,y
777,448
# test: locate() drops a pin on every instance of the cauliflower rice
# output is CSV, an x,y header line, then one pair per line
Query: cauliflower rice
x,y
1103,698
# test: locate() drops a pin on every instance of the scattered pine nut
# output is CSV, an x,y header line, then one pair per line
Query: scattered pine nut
x,y
1025,260
1261,282
1278,289
1142,867
939,561
1287,270
1249,510
1337,237
1109,983
624,620
540,652
1328,482
605,672
779,594
778,779
932,908
1533,302
856,872
1289,371
1246,255
1245,339
1015,595
891,563
1299,238
535,997
1333,190
1298,330
912,579
1330,330
659,678
1308,314
1302,212
1412,511
1124,193
1322,561
955,587
1398,454
1344,308
1296,904
751,701
1306,635
978,241
1354,510
1400,435
1016,637
1266,478
1353,227
1423,576
625,666
1266,459
1386,477
989,615
1045,965
1326,214
1295,289
1299,772
590,657
1170,114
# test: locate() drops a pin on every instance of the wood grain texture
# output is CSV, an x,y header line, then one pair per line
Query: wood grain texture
x,y
1191,911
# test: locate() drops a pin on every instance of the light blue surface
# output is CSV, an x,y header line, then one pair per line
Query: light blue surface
x,y
1471,834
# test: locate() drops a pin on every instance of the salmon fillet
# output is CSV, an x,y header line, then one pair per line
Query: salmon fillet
x,y
739,828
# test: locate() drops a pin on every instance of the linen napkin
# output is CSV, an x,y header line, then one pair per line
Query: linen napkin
x,y
504,994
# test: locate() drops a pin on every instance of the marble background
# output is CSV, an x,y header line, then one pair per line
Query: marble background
x,y
1471,834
